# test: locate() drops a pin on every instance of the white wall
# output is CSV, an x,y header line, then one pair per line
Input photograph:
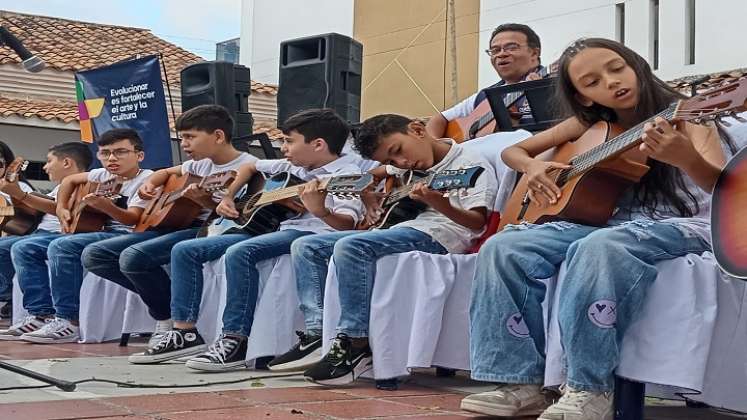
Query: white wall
x,y
720,41
266,23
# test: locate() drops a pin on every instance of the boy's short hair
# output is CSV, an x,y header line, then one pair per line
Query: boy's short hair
x,y
118,134
321,123
207,118
77,151
375,128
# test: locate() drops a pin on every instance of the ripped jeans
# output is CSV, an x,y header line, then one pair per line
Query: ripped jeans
x,y
608,273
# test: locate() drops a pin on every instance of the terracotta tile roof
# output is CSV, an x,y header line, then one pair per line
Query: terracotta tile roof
x,y
63,111
268,127
70,45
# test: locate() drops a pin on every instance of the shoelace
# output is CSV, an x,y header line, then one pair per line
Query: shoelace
x,y
168,338
304,339
221,348
54,325
574,398
336,353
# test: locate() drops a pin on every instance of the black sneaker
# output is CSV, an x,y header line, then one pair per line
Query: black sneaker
x,y
6,309
172,345
302,356
342,365
228,353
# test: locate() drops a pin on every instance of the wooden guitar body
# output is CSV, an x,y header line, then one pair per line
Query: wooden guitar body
x,y
729,218
402,210
588,199
87,219
265,218
6,211
176,214
471,126
25,218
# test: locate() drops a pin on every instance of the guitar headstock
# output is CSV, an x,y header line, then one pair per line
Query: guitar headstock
x,y
347,186
217,181
723,101
14,168
110,188
455,179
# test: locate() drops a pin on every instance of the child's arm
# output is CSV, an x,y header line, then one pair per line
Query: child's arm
x,y
679,147
521,157
474,219
314,201
147,190
19,196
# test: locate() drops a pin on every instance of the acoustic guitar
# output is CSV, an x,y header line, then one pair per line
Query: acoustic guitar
x,y
397,206
481,121
265,203
729,218
18,218
605,161
171,210
85,218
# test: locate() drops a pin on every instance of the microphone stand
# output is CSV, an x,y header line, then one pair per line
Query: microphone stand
x,y
59,383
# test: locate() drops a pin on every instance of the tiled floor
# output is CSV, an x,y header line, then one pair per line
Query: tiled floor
x,y
424,397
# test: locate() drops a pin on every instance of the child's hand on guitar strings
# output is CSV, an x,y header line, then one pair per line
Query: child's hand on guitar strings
x,y
313,199
147,191
227,208
372,201
542,188
64,216
195,193
98,202
422,193
667,143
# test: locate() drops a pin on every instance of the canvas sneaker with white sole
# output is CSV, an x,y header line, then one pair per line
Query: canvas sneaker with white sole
x,y
228,353
581,405
172,345
508,400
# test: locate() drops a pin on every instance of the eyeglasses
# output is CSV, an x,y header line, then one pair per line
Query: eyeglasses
x,y
509,48
119,153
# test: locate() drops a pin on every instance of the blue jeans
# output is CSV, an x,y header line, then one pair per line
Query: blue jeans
x,y
6,267
310,256
29,256
135,262
355,261
187,258
66,270
608,274
242,277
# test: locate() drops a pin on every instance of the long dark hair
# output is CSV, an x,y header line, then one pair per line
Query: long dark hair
x,y
661,183
7,155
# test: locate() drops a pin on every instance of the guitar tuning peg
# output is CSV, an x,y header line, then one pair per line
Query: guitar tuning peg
x,y
723,122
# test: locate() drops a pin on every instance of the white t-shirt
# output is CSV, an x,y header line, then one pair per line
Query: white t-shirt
x,y
50,222
205,167
344,165
128,192
453,236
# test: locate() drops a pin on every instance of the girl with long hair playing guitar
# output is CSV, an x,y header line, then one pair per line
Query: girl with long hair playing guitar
x,y
606,88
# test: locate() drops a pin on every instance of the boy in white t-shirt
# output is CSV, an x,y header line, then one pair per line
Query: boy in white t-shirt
x,y
448,225
312,149
63,160
135,261
120,152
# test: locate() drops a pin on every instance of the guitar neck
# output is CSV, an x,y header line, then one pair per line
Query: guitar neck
x,y
404,191
611,148
279,194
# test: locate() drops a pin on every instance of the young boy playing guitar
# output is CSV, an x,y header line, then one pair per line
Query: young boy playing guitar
x,y
120,152
62,160
312,150
515,55
135,260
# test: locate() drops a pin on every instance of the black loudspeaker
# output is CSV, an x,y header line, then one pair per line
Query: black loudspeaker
x,y
322,71
219,83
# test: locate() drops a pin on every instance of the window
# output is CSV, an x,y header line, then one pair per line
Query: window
x,y
654,35
620,22
690,32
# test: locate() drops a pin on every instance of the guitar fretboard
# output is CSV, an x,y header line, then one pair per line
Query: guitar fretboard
x,y
630,138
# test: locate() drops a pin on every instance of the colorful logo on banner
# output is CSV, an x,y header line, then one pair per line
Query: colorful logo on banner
x,y
128,94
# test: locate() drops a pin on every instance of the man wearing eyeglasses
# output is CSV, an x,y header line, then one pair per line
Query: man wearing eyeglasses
x,y
515,54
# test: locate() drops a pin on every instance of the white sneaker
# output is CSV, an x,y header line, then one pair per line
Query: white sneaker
x,y
29,324
162,327
56,331
508,400
581,405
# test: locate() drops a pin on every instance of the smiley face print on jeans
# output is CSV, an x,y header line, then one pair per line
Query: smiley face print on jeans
x,y
603,313
516,326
